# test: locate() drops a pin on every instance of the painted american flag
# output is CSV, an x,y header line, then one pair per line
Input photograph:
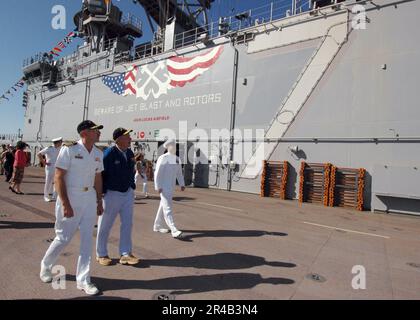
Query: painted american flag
x,y
115,83
183,70
178,72
123,84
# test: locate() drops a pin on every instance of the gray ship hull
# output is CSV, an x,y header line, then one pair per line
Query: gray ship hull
x,y
341,95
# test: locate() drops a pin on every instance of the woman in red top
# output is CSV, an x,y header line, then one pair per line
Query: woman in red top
x,y
18,167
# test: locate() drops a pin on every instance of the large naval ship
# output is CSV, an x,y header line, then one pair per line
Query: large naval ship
x,y
314,101
300,99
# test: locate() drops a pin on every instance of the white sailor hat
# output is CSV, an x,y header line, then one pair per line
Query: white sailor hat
x,y
169,142
57,139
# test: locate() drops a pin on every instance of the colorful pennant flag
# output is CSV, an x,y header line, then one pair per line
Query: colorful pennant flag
x,y
18,84
55,51
62,44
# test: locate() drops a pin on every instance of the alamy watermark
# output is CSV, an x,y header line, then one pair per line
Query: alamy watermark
x,y
58,22
59,279
218,146
359,280
359,20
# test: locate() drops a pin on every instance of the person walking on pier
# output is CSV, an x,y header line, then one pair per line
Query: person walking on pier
x,y
78,180
21,161
119,186
8,159
50,153
141,173
3,149
168,170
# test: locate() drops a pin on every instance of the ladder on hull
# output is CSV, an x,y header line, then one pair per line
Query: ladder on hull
x,y
311,75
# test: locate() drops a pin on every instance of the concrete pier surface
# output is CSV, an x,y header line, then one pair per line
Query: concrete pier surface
x,y
236,246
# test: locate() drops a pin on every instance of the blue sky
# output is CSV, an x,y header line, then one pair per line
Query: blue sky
x,y
25,29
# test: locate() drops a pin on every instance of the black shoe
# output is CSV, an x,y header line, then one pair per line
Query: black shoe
x,y
13,190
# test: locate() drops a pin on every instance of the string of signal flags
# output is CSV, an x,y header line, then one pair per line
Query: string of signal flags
x,y
15,88
54,52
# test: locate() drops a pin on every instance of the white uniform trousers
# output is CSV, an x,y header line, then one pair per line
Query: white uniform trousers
x,y
165,212
116,202
85,211
144,178
49,181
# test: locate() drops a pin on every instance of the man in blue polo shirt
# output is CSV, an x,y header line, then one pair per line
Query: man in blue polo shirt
x,y
118,186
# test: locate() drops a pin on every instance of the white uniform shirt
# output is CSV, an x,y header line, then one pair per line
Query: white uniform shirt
x,y
51,154
81,166
168,169
140,168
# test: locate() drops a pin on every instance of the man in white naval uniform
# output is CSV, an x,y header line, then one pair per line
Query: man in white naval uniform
x,y
168,170
78,178
51,154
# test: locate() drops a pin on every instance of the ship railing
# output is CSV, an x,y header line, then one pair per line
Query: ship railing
x,y
265,14
273,11
33,80
69,59
123,57
87,50
82,52
148,50
76,64
41,56
130,19
270,12
9,137
110,43
73,66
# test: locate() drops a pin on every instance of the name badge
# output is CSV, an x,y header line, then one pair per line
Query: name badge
x,y
79,156
117,162
97,159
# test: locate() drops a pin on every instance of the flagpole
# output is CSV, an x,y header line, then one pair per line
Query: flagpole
x,y
108,7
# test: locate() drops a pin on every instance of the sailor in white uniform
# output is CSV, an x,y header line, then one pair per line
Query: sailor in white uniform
x,y
78,179
141,173
50,153
168,170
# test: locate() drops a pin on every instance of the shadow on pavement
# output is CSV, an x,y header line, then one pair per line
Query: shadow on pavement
x,y
228,234
219,261
25,225
179,199
38,182
190,284
98,297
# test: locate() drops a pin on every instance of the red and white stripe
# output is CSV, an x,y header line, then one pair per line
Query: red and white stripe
x,y
183,70
69,38
130,81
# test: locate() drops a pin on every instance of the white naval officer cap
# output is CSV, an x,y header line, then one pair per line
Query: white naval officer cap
x,y
57,139
169,142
